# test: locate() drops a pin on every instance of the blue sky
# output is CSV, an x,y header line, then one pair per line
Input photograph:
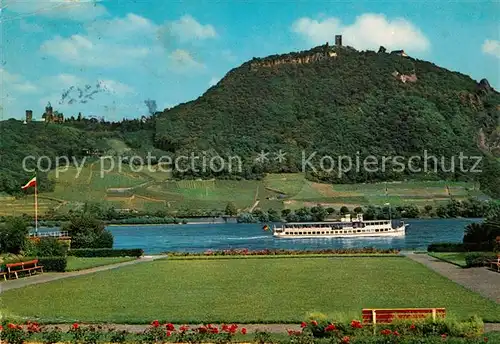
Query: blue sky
x,y
172,51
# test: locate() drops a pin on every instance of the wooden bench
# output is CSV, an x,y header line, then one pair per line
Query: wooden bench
x,y
29,267
495,264
385,316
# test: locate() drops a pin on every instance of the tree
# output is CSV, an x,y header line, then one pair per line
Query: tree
x,y
273,215
13,235
358,210
88,232
231,209
344,210
318,213
151,105
428,208
285,213
330,210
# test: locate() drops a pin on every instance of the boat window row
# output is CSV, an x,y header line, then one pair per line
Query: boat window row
x,y
337,232
377,223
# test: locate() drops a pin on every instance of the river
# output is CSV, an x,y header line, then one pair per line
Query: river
x,y
155,239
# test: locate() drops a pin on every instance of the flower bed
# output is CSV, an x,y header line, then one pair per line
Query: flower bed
x,y
267,252
312,332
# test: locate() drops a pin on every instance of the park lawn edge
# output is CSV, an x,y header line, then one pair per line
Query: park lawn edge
x,y
104,261
447,260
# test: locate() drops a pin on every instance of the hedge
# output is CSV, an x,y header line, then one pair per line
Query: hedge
x,y
54,264
459,247
446,247
105,252
478,259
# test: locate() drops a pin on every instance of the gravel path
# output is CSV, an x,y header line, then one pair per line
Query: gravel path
x,y
480,280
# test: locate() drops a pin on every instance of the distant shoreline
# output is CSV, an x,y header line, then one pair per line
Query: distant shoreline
x,y
167,224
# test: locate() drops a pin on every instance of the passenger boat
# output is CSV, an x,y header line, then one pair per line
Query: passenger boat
x,y
347,227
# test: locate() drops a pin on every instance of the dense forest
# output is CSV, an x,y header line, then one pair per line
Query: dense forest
x,y
330,100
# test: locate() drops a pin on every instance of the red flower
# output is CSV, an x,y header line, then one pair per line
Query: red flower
x,y
356,324
75,326
294,333
412,326
303,324
385,332
214,330
330,328
396,333
155,323
170,327
183,328
233,328
444,335
12,326
1,328
314,323
346,340
169,333
243,331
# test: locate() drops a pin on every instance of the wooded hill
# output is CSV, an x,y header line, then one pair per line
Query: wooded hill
x,y
338,101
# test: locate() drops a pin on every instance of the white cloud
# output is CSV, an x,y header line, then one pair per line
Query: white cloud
x,y
115,87
491,47
65,80
188,28
86,51
78,10
369,31
16,83
181,61
123,28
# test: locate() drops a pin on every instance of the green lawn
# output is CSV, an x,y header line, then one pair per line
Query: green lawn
x,y
457,258
245,291
77,263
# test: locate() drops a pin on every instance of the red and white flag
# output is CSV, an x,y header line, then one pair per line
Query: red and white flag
x,y
29,184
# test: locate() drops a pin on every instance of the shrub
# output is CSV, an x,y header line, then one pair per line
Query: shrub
x,y
104,240
55,264
52,336
105,252
246,218
47,247
478,259
13,234
88,232
13,334
446,247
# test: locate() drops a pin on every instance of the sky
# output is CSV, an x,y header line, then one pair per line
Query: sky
x,y
105,58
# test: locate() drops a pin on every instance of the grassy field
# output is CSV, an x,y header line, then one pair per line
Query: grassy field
x,y
245,291
78,263
149,190
457,258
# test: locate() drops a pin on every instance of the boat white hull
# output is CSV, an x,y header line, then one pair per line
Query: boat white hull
x,y
397,232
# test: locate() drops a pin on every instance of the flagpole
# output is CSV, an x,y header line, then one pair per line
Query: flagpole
x,y
36,206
